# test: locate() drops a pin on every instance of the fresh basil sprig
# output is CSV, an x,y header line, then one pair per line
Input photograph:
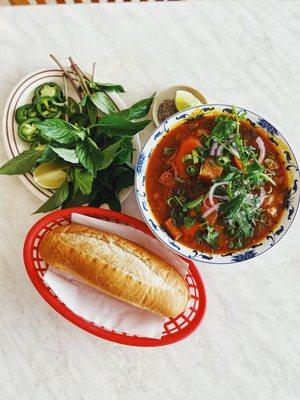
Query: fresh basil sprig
x,y
92,138
106,87
116,125
92,111
109,154
83,181
89,155
55,200
137,110
60,131
22,163
66,154
103,102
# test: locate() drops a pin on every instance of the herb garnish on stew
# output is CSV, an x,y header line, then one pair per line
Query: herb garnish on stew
x,y
222,185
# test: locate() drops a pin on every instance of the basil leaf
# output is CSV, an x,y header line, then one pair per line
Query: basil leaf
x,y
92,111
118,170
83,181
116,125
89,155
47,155
107,87
103,102
80,120
124,180
66,154
137,110
75,199
114,202
56,199
105,178
83,101
99,197
22,163
109,154
124,152
60,131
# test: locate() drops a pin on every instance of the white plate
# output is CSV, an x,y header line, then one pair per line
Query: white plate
x,y
22,94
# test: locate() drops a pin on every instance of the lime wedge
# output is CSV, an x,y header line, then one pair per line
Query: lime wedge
x,y
50,175
184,100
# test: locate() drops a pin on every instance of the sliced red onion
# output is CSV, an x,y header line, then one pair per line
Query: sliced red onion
x,y
221,197
234,152
210,210
220,149
262,149
261,197
211,191
213,149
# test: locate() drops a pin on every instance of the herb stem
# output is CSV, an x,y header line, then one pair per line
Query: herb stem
x,y
66,96
66,73
93,70
80,75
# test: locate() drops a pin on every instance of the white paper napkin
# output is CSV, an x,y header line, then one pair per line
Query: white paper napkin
x,y
104,310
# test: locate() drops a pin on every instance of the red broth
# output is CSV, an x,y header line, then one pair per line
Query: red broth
x,y
161,185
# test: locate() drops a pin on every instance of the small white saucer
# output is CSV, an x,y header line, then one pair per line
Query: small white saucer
x,y
170,93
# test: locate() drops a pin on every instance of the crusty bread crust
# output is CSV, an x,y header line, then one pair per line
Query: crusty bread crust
x,y
117,267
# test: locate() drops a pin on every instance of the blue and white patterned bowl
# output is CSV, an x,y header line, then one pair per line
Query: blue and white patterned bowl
x,y
291,204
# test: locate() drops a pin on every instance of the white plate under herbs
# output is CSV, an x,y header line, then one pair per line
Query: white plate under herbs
x,y
21,94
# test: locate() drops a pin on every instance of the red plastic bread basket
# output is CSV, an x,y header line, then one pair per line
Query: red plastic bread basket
x,y
175,329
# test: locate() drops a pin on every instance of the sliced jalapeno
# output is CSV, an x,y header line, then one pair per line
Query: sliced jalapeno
x,y
72,107
25,112
49,89
32,112
46,108
28,130
59,114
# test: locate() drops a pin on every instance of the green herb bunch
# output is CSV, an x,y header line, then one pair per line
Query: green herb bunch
x,y
95,144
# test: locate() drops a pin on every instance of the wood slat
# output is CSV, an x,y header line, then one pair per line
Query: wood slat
x,y
19,2
26,2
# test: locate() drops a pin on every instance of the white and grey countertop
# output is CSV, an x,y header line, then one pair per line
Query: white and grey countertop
x,y
247,348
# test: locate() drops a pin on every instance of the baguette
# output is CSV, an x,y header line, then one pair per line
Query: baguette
x,y
117,267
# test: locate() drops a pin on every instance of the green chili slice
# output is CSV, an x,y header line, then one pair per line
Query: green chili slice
x,y
24,112
28,130
46,108
49,89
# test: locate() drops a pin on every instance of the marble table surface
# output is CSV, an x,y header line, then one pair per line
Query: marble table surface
x,y
241,52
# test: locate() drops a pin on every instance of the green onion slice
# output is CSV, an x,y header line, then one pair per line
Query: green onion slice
x,y
191,170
